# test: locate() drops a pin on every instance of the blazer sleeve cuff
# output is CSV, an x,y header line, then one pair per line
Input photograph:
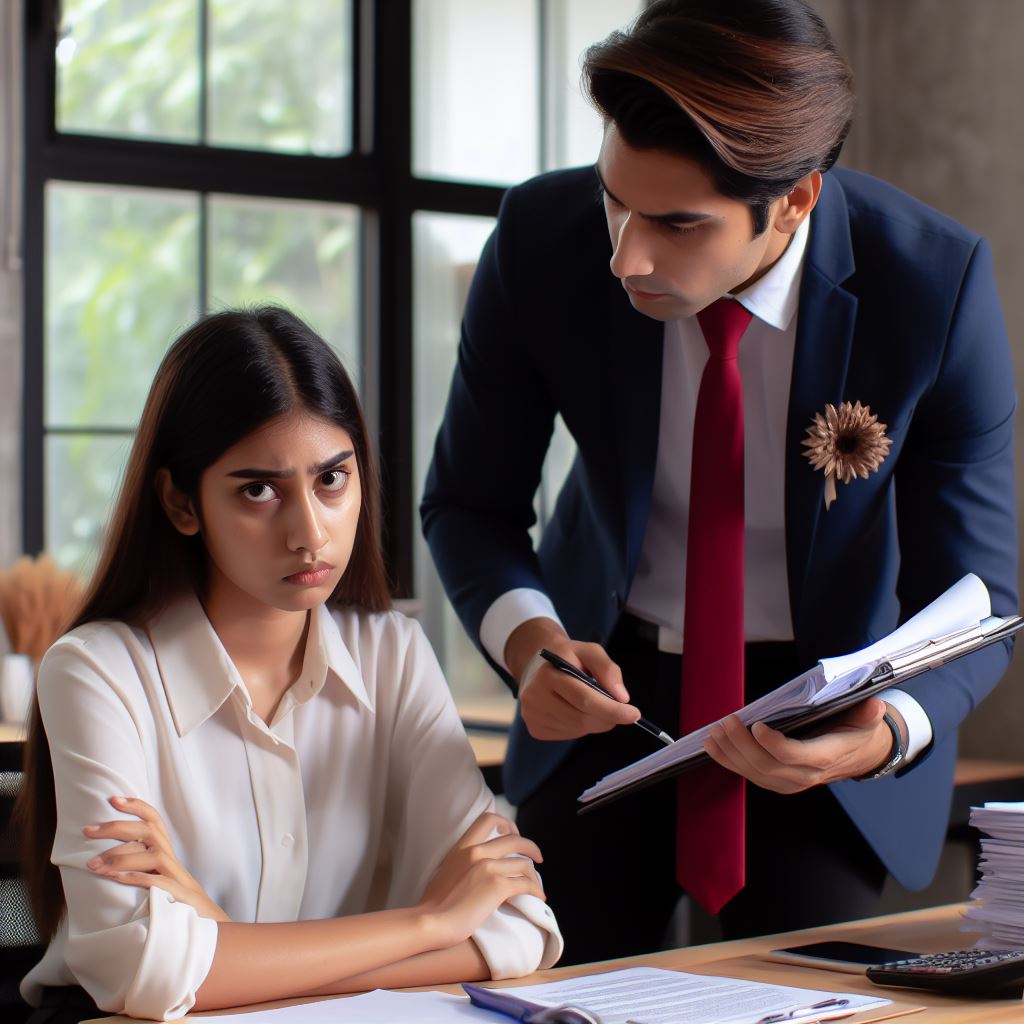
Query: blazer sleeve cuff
x,y
507,613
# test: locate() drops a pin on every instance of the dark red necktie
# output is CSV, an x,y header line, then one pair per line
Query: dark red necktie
x,y
710,824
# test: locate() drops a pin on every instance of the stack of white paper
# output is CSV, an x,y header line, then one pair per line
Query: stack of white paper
x,y
999,912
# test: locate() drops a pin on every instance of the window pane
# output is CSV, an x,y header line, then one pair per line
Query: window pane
x,y
574,128
445,251
295,254
475,90
129,68
280,75
82,473
121,282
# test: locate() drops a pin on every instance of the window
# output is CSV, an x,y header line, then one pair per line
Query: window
x,y
343,157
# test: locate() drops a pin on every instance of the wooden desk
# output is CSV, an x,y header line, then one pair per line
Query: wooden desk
x,y
928,931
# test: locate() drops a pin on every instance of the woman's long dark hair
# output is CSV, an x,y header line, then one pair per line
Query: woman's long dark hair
x,y
227,375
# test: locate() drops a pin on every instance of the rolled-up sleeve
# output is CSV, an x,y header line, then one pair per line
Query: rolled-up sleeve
x,y
436,792
135,951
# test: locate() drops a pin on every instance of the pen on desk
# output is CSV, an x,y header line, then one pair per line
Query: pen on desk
x,y
588,680
798,1013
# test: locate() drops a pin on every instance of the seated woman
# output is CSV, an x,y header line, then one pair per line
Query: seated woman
x,y
296,809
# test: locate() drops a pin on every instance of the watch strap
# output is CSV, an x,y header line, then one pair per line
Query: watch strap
x,y
896,758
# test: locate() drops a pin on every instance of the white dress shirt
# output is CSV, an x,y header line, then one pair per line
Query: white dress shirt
x,y
344,804
657,593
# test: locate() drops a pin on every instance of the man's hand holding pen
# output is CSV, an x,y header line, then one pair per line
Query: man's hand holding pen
x,y
554,705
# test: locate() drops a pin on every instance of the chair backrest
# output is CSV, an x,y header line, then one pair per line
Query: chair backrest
x,y
20,947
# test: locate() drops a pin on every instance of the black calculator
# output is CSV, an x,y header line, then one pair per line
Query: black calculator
x,y
988,974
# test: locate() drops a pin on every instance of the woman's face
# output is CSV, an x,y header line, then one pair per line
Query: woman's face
x,y
279,512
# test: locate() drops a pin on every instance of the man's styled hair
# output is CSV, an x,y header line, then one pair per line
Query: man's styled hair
x,y
753,90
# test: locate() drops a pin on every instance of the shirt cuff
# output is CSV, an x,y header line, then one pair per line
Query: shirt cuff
x,y
919,725
174,965
520,937
507,613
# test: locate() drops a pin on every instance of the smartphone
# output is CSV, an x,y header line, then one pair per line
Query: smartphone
x,y
848,957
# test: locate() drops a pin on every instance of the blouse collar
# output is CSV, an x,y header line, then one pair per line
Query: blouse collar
x,y
199,675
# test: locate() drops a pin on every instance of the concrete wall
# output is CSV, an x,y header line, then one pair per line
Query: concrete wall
x,y
939,86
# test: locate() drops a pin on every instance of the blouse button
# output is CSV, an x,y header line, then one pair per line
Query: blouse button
x,y
287,840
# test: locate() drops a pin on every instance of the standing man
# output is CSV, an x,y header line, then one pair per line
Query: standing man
x,y
688,307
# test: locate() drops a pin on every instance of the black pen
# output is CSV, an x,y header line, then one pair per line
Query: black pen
x,y
588,680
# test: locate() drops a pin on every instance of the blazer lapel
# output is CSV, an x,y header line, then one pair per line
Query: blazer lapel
x,y
635,354
823,342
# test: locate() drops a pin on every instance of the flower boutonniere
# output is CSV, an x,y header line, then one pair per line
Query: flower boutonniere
x,y
845,443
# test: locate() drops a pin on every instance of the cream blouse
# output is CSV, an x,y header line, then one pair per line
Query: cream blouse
x,y
345,803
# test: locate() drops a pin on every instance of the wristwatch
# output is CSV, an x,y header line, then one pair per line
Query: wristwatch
x,y
896,758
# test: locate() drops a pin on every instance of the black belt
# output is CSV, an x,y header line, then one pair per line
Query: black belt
x,y
631,627
640,631
769,663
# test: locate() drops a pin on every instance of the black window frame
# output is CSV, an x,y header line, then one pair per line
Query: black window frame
x,y
376,177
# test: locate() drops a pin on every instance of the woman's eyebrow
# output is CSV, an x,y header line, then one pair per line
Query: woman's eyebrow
x,y
284,474
334,460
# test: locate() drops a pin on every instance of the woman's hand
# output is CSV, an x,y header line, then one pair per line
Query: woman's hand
x,y
479,874
146,857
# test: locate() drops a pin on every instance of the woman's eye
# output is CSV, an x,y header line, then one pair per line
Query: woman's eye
x,y
259,493
334,479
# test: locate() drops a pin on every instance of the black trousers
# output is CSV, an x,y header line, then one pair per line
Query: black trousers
x,y
65,1004
610,874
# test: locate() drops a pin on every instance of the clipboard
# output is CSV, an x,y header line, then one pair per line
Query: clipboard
x,y
895,670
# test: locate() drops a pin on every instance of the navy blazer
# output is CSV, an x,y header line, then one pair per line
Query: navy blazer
x,y
898,309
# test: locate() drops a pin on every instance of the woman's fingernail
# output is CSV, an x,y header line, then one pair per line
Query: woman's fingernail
x,y
94,863
119,800
91,828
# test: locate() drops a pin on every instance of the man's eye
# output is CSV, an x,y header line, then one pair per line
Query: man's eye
x,y
680,229
259,493
334,479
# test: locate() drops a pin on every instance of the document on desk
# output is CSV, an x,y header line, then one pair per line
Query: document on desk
x,y
377,1007
647,995
956,623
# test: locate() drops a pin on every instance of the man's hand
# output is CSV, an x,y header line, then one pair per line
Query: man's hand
x,y
554,705
855,744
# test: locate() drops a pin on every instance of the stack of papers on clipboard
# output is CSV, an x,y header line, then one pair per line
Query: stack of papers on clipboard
x,y
956,623
649,995
1000,912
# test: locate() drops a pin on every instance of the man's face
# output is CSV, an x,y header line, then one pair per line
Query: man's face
x,y
678,244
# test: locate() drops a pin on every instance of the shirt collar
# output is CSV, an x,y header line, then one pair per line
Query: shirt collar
x,y
327,656
774,298
198,675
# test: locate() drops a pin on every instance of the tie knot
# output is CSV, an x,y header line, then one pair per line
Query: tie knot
x,y
723,324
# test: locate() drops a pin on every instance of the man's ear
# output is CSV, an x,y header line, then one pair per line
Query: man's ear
x,y
176,504
798,203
